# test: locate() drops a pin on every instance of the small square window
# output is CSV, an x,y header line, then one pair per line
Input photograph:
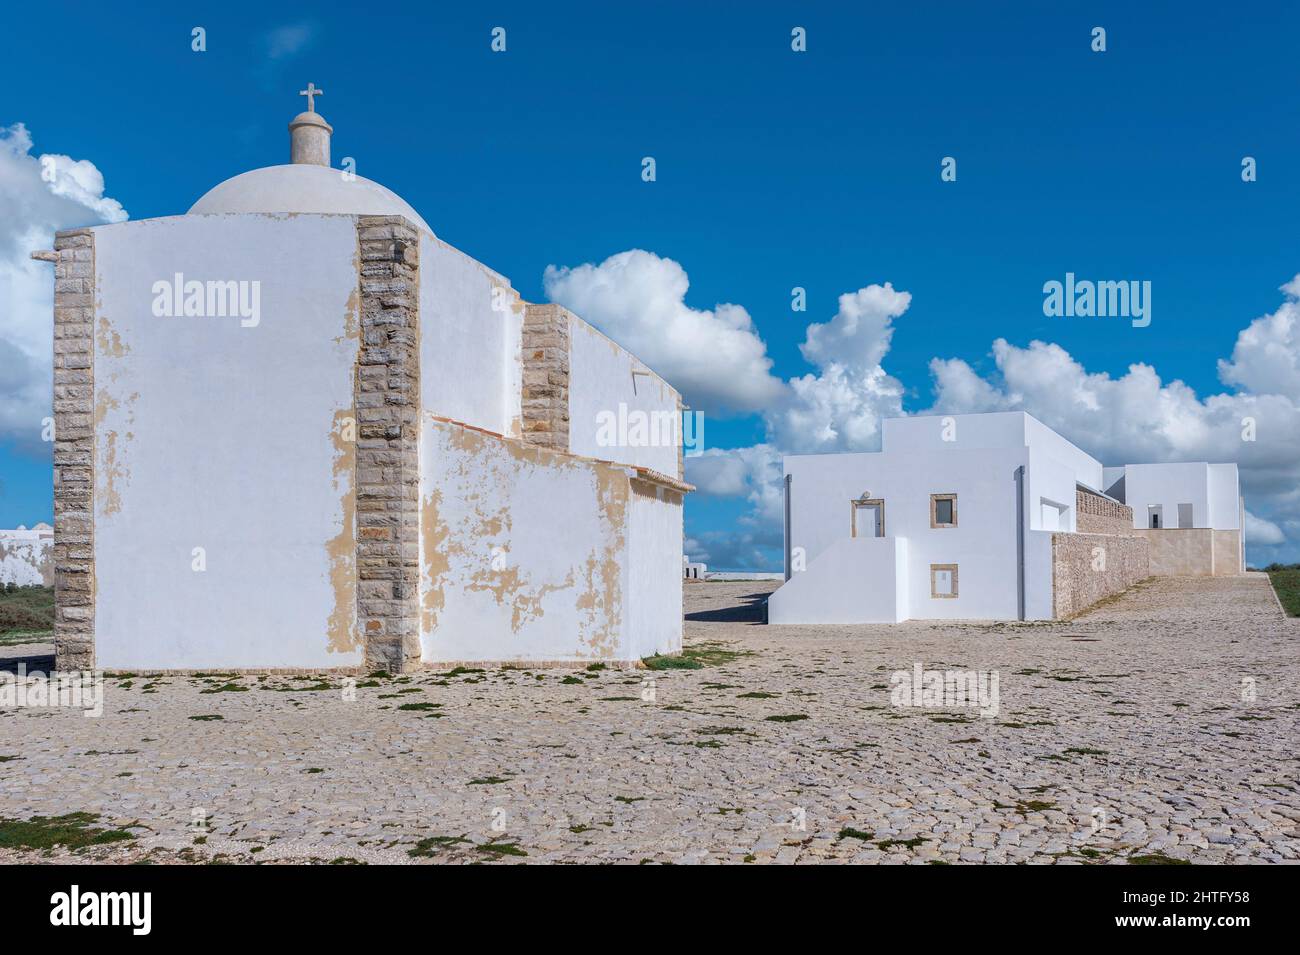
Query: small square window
x,y
943,580
943,510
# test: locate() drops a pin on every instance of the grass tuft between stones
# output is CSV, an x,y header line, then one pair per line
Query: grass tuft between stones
x,y
74,830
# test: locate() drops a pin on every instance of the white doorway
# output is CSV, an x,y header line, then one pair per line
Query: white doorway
x,y
868,518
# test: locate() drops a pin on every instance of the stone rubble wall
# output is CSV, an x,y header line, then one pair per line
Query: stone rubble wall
x,y
1087,568
1095,514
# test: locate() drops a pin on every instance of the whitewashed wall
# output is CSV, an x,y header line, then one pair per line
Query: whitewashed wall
x,y
983,544
654,622
1039,584
1168,485
1083,466
1224,497
27,558
601,383
968,432
1050,483
226,438
469,346
855,580
524,555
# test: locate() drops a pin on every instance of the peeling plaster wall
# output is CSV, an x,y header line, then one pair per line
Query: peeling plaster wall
x,y
212,435
600,380
469,340
26,558
654,571
524,554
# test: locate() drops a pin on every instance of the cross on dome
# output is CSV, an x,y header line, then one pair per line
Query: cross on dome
x,y
311,92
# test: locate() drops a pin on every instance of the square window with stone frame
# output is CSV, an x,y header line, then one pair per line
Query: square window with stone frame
x,y
943,510
943,580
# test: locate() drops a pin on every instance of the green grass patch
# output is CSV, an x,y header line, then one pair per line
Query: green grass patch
x,y
1156,858
1285,579
26,611
848,832
433,844
712,654
886,844
501,849
74,831
786,717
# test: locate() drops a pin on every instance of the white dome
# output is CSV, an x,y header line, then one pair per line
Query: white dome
x,y
302,187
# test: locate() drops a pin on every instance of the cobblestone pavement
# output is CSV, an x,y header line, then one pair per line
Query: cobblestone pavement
x,y
1130,731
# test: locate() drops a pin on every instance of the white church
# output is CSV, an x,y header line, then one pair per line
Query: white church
x,y
992,517
296,429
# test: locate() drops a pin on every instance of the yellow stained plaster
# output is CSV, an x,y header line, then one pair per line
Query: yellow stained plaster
x,y
602,597
342,548
109,500
435,537
109,342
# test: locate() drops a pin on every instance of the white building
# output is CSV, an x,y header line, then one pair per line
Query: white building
x,y
26,556
296,429
694,569
989,516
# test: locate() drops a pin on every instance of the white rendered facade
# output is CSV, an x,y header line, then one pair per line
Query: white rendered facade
x,y
954,518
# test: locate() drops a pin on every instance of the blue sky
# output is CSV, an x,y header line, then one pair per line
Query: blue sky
x,y
775,169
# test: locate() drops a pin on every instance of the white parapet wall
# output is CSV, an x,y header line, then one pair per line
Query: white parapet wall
x,y
470,322
854,580
619,409
531,554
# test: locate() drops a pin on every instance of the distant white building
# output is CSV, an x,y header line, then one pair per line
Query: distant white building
x,y
27,556
693,569
991,516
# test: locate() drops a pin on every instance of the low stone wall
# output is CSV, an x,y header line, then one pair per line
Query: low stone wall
x,y
1095,514
1089,567
1181,551
1227,553
1193,551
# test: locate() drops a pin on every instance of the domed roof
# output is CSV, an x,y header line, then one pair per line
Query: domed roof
x,y
303,187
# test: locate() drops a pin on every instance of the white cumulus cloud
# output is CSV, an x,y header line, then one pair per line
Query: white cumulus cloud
x,y
39,194
1266,357
715,357
1138,417
1263,533
719,361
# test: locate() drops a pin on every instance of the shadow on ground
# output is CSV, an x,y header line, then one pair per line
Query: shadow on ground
x,y
36,658
752,610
